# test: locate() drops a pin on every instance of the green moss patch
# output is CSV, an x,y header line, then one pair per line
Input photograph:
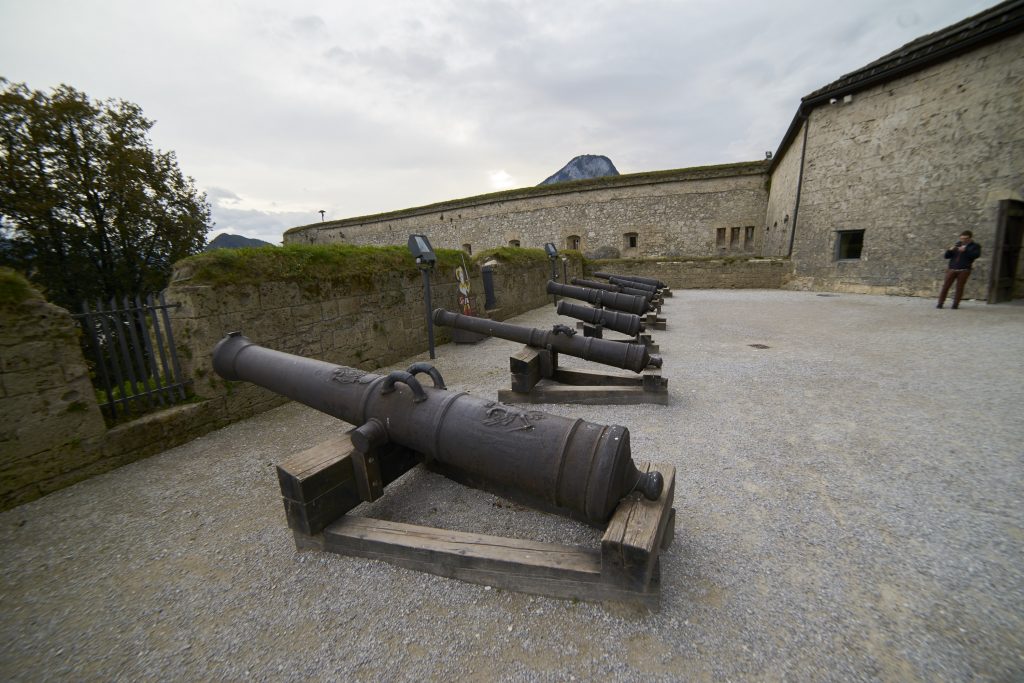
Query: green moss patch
x,y
15,289
345,264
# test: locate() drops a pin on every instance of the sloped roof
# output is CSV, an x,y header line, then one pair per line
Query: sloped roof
x,y
995,23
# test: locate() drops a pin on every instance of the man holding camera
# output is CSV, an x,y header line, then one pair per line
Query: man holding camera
x,y
961,255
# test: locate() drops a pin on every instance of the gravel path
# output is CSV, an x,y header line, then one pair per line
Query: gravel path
x,y
849,508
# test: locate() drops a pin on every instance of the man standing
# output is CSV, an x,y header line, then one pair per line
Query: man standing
x,y
961,255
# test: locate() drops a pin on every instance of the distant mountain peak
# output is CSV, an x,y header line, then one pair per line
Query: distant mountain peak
x,y
229,241
583,167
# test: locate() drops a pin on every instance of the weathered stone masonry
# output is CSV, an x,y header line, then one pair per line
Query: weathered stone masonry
x,y
912,162
675,213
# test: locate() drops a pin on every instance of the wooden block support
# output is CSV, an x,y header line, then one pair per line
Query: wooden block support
x,y
636,533
525,367
319,484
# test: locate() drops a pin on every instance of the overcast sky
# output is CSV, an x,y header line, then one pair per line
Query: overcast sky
x,y
279,110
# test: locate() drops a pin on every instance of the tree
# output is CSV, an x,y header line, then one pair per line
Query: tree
x,y
88,209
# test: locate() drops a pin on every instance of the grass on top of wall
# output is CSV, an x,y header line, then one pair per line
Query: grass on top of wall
x,y
15,289
522,256
337,263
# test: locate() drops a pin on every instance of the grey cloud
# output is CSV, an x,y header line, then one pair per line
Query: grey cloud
x,y
387,62
309,24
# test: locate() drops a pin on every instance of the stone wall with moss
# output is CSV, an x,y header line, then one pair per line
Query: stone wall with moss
x,y
49,421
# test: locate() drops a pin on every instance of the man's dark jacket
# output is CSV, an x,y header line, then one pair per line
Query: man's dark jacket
x,y
962,260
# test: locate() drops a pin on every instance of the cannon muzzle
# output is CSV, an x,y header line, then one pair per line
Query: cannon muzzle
x,y
577,467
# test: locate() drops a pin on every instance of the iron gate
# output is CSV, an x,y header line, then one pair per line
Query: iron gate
x,y
132,351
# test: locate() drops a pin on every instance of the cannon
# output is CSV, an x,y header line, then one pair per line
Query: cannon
x,y
626,323
627,288
637,305
636,278
573,466
537,377
560,339
634,285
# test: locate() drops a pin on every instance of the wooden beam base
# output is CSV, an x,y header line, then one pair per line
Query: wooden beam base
x,y
589,387
625,569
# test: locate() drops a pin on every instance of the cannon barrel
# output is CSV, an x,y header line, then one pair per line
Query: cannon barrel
x,y
636,278
627,288
627,323
633,285
576,466
562,339
637,305
594,284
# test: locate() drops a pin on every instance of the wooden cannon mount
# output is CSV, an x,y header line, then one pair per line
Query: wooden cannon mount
x,y
537,378
320,485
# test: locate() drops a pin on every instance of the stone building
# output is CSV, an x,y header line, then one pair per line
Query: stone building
x,y
881,169
876,175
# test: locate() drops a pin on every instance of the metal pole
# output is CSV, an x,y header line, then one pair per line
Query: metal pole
x,y
426,301
554,276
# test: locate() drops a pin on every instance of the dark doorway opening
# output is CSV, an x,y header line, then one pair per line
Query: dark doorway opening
x,y
1006,281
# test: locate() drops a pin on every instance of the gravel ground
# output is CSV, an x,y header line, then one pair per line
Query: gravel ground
x,y
848,499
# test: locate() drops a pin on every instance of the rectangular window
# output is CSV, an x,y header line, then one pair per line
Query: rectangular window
x,y
720,238
734,238
849,244
631,240
748,238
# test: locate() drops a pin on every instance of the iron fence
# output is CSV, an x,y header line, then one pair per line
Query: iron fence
x,y
131,347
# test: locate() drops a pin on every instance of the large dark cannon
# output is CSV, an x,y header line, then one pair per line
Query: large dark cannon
x,y
637,305
633,285
561,339
612,286
636,278
576,466
627,323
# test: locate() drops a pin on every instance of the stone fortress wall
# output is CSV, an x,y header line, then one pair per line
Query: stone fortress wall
x,y
669,214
